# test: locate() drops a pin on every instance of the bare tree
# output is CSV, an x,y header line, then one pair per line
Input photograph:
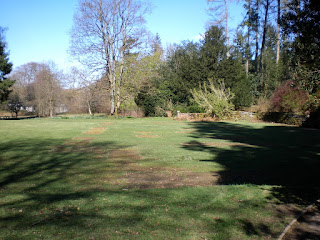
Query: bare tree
x,y
103,31
24,76
47,90
220,11
87,87
15,100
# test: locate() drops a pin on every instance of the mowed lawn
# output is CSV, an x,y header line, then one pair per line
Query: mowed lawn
x,y
153,178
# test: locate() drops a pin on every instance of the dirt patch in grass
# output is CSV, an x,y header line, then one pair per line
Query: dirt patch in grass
x,y
144,134
95,131
217,144
147,136
106,123
157,177
124,154
139,177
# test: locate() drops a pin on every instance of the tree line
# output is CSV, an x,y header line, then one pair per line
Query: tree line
x,y
271,61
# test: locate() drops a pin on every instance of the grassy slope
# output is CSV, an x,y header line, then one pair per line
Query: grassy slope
x,y
53,187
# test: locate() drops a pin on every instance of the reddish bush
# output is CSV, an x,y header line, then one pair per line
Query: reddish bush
x,y
288,98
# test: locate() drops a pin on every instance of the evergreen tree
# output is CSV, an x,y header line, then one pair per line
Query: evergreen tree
x,y
5,69
213,51
302,23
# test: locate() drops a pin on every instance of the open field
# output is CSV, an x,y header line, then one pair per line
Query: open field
x,y
153,178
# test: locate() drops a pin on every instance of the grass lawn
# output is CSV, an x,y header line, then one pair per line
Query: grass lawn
x,y
153,178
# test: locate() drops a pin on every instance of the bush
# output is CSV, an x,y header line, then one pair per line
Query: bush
x,y
288,98
184,108
216,100
150,104
312,111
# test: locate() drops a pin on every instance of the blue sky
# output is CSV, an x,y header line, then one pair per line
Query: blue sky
x,y
38,30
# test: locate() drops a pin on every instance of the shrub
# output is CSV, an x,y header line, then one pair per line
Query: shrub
x,y
312,111
184,108
288,98
216,100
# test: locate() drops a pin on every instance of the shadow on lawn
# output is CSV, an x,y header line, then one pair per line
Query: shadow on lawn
x,y
288,157
38,179
54,190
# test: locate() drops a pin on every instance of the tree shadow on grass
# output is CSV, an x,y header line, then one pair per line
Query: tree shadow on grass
x,y
54,190
39,179
63,190
285,157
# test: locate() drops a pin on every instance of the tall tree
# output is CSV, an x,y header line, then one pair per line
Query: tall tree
x,y
220,10
278,30
302,24
265,29
213,50
5,69
103,32
47,90
256,22
249,22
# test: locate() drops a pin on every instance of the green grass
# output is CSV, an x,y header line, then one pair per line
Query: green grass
x,y
59,182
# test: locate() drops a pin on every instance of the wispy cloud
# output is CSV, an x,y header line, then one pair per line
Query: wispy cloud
x,y
198,37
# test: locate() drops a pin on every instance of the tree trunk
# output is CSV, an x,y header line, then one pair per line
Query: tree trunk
x,y
227,29
89,108
119,88
264,34
247,67
257,35
112,93
264,80
249,25
278,33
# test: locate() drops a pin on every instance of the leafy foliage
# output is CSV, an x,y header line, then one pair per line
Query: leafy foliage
x,y
302,22
215,99
288,98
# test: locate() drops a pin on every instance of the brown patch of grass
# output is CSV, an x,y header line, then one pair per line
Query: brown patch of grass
x,y
147,136
95,131
157,177
217,144
144,133
136,176
106,123
124,154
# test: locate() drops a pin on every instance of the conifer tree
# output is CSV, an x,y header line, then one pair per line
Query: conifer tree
x,y
5,69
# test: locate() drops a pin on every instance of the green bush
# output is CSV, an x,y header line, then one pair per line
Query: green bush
x,y
184,108
215,99
150,104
